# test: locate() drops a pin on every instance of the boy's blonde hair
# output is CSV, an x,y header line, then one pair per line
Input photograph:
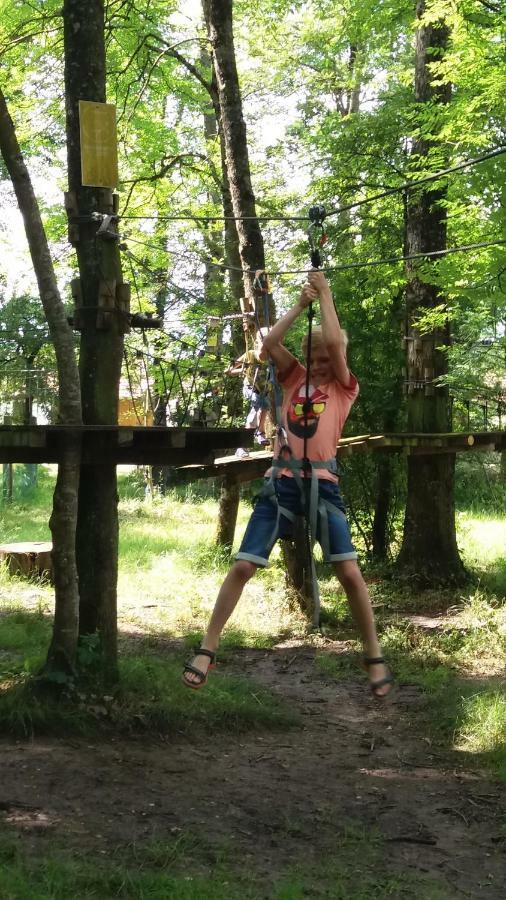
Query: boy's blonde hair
x,y
317,339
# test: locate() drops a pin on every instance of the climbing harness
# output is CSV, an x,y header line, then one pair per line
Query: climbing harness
x,y
304,471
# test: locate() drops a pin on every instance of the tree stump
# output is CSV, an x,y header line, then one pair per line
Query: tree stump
x,y
30,559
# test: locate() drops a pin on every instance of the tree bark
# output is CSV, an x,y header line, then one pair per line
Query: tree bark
x,y
101,346
386,464
380,539
429,550
227,515
62,651
244,247
218,17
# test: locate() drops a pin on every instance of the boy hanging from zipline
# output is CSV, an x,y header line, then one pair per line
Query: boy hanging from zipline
x,y
251,365
315,406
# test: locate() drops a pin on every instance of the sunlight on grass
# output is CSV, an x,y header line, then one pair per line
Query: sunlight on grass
x,y
24,631
484,723
18,593
170,571
482,729
184,576
483,546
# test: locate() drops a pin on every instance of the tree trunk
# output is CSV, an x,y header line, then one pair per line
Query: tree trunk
x,y
298,575
160,475
429,550
101,346
227,515
218,17
243,238
7,482
386,464
62,651
380,539
232,396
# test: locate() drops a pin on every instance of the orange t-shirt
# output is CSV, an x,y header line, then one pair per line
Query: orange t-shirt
x,y
330,406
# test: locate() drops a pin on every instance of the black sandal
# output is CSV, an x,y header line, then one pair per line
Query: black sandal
x,y
201,676
376,685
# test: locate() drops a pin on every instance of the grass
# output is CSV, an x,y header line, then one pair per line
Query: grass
x,y
170,572
150,697
460,667
355,869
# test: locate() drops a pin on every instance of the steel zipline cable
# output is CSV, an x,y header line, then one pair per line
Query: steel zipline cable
x,y
389,260
387,192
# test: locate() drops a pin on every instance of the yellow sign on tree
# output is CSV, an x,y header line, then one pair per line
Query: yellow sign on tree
x,y
99,144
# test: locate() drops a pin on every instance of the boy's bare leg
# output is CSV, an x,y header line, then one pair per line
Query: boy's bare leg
x,y
226,601
357,594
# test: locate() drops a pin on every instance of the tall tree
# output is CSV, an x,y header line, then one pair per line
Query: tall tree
x,y
62,651
429,550
218,17
102,322
238,186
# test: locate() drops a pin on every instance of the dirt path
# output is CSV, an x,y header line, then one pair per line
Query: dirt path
x,y
274,799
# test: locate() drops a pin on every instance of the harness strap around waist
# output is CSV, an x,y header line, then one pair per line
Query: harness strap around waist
x,y
316,506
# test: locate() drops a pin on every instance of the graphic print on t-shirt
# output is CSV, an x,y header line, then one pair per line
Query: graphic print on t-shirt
x,y
296,415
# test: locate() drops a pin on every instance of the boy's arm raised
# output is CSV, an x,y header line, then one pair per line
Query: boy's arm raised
x,y
272,344
333,335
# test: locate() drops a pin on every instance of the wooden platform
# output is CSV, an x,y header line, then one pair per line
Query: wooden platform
x,y
423,443
199,451
258,462
121,444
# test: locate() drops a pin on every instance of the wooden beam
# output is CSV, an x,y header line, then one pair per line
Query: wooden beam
x,y
121,444
199,451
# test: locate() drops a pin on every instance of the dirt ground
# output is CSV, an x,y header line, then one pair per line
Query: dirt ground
x,y
275,799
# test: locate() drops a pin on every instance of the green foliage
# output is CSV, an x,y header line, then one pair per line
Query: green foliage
x,y
27,361
478,484
330,114
28,517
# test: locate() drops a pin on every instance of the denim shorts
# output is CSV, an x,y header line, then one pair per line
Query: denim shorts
x,y
259,538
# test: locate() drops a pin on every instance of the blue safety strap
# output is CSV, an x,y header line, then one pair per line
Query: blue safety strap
x,y
317,507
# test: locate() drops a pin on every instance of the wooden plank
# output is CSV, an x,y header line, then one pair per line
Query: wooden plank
x,y
148,445
125,437
353,438
253,466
